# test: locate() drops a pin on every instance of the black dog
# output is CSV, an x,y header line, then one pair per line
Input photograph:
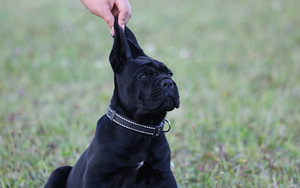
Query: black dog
x,y
129,148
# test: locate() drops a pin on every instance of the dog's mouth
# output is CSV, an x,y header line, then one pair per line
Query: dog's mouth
x,y
170,102
162,100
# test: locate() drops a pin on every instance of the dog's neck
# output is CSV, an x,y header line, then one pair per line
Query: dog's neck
x,y
129,124
135,114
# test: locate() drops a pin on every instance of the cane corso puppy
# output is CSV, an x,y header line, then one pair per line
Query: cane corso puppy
x,y
130,147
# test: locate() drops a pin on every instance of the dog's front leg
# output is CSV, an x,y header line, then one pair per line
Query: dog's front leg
x,y
160,163
104,170
95,178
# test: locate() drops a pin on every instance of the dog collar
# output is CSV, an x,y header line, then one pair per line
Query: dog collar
x,y
131,125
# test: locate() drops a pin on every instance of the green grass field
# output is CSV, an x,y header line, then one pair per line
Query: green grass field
x,y
236,63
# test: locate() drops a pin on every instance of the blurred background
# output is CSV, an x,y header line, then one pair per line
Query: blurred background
x,y
236,63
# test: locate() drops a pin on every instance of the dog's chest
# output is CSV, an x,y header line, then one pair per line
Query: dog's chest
x,y
139,165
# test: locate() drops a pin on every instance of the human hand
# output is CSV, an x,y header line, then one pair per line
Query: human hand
x,y
108,9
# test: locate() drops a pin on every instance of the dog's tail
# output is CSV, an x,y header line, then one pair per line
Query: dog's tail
x,y
58,177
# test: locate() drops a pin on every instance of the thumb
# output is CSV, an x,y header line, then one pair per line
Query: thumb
x,y
124,19
124,14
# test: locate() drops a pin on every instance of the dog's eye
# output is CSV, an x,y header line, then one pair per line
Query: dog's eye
x,y
170,74
143,76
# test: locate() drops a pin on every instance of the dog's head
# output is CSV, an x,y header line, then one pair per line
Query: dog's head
x,y
144,88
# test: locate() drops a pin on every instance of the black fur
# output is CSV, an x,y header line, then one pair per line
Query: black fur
x,y
118,157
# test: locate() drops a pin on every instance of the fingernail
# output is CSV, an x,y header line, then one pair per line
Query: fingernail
x,y
112,32
123,27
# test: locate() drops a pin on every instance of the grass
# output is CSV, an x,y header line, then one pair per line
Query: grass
x,y
237,65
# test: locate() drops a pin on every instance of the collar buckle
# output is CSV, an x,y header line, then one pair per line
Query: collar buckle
x,y
159,129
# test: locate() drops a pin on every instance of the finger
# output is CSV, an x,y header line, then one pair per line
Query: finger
x,y
106,14
124,19
125,12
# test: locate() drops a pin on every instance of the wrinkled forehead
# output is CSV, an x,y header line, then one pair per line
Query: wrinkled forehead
x,y
147,61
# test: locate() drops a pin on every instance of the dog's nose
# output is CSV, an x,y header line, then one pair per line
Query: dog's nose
x,y
167,83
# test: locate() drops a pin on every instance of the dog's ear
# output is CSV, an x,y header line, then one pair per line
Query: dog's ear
x,y
120,54
136,50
